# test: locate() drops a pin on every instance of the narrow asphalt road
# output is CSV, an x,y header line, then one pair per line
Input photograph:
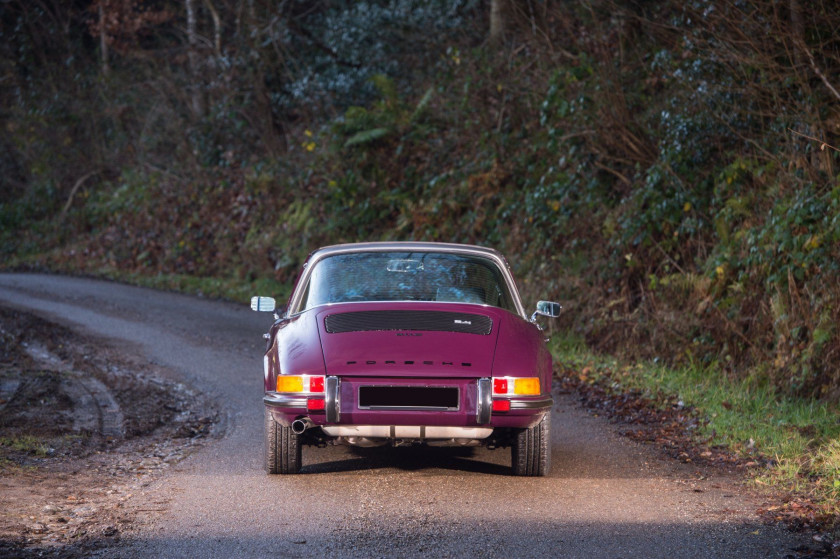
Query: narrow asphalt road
x,y
606,497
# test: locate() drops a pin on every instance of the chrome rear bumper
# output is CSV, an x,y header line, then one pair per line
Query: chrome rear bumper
x,y
419,432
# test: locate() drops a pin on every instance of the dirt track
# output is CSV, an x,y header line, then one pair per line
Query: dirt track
x,y
607,496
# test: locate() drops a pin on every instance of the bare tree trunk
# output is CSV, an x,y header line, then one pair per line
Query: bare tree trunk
x,y
497,20
103,42
196,105
217,27
798,28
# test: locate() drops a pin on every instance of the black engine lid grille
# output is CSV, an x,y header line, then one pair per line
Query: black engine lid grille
x,y
430,321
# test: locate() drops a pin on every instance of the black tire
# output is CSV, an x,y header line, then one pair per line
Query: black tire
x,y
282,448
531,449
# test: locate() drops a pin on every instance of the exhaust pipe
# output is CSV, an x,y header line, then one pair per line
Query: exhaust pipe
x,y
301,425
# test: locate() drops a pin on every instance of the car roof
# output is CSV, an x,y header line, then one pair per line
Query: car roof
x,y
407,246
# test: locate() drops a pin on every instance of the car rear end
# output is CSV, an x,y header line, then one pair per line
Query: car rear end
x,y
387,347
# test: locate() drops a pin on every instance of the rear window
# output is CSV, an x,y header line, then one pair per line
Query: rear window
x,y
407,276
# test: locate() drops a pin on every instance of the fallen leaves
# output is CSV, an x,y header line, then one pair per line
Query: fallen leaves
x,y
666,422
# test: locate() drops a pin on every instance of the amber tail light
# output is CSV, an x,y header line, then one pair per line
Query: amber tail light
x,y
516,386
302,384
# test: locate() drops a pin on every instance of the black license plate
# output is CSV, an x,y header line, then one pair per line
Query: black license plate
x,y
413,397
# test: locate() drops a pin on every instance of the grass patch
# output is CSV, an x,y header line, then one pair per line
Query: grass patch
x,y
798,439
231,289
26,444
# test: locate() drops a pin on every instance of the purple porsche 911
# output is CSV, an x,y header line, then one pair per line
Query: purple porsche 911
x,y
407,343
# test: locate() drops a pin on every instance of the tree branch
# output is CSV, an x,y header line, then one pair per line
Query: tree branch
x,y
819,73
823,145
73,191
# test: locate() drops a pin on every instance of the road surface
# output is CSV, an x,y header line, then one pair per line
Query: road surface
x,y
606,496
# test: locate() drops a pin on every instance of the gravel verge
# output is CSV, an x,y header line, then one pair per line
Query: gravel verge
x,y
83,430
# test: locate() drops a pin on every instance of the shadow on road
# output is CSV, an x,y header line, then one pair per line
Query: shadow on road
x,y
415,534
410,459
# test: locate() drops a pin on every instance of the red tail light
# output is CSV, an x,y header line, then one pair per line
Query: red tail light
x,y
315,404
500,386
501,405
316,384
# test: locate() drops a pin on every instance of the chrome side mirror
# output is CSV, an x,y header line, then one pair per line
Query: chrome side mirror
x,y
546,308
263,304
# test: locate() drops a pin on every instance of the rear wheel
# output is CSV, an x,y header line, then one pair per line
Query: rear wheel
x,y
282,448
531,449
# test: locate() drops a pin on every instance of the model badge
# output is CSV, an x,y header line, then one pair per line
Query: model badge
x,y
412,334
468,322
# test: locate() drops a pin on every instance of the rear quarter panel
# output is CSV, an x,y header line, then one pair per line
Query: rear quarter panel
x,y
295,348
521,351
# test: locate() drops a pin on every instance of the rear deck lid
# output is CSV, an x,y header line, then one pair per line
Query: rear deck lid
x,y
410,340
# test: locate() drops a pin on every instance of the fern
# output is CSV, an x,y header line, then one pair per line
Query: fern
x,y
366,136
422,104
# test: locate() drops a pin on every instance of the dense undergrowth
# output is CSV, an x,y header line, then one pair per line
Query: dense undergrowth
x,y
665,169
